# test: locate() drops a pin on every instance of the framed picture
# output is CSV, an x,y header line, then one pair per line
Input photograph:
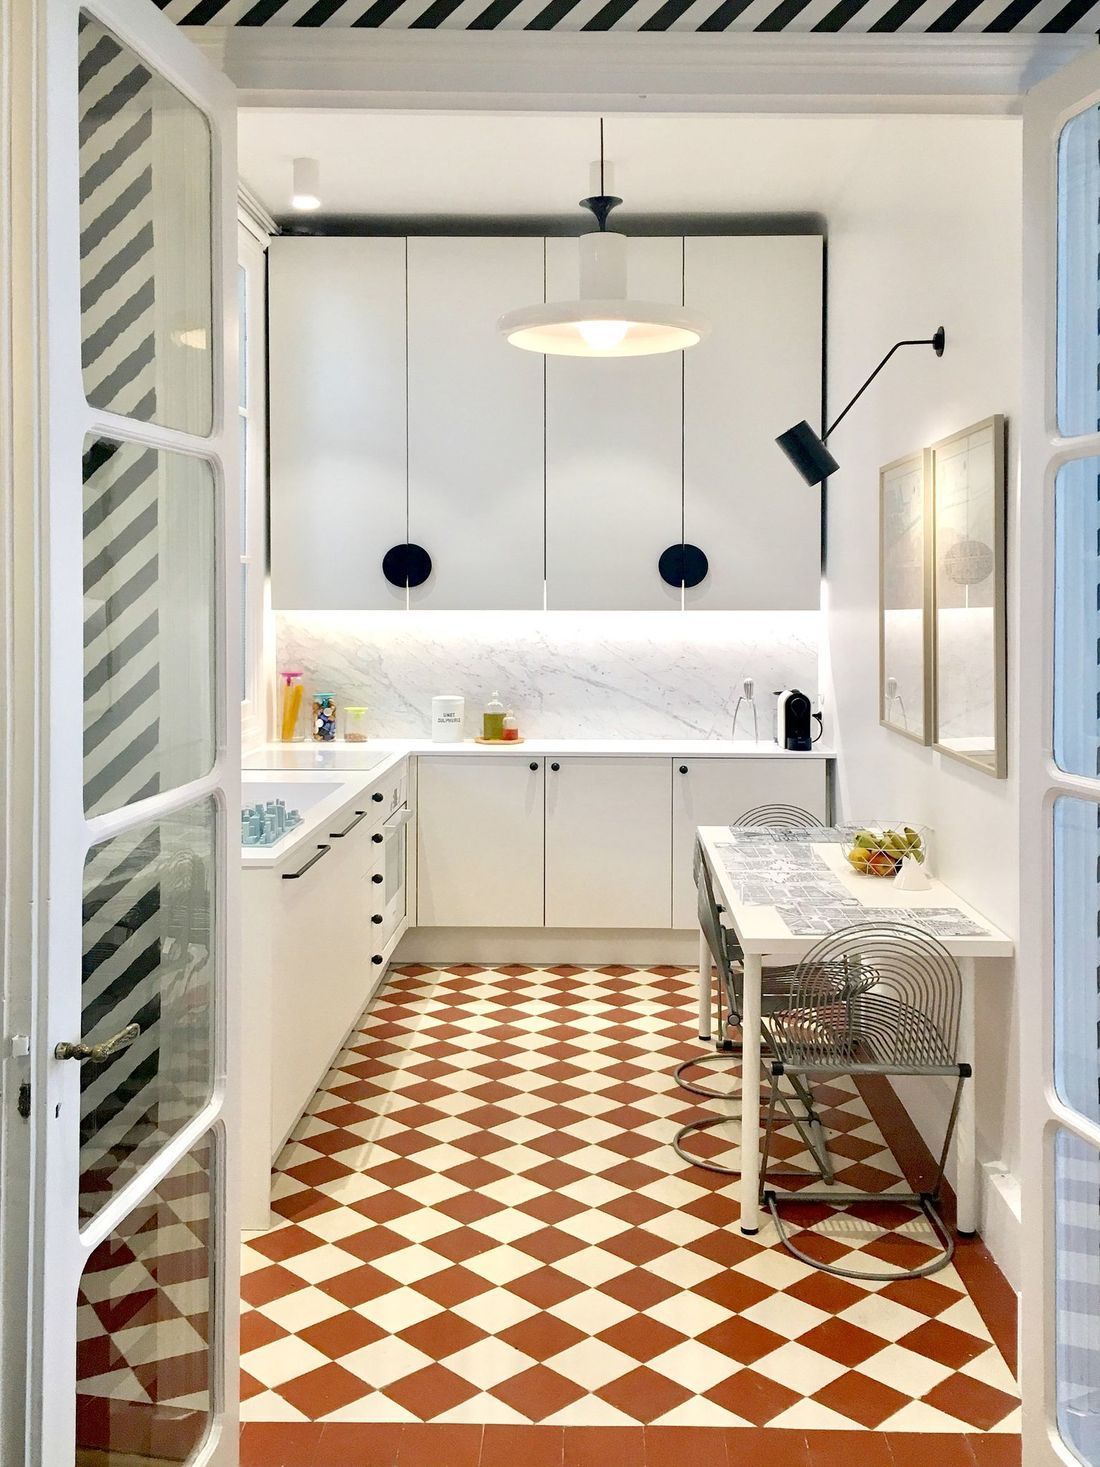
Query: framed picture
x,y
968,596
905,622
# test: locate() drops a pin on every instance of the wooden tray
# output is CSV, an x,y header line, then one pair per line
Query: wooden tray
x,y
498,742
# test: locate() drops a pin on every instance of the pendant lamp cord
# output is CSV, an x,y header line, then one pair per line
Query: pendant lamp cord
x,y
602,189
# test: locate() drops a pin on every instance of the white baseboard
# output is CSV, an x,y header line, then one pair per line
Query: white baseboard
x,y
1000,1218
543,946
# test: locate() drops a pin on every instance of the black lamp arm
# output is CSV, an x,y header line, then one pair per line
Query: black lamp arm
x,y
937,343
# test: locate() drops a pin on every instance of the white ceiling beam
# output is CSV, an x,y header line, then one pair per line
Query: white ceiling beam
x,y
729,72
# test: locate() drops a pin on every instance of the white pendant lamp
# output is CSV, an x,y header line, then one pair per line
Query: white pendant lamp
x,y
602,322
306,184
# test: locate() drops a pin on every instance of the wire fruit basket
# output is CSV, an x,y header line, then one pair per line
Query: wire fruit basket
x,y
878,850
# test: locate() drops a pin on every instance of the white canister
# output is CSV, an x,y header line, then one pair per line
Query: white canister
x,y
448,719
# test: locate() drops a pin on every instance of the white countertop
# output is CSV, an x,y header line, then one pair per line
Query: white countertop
x,y
341,755
318,819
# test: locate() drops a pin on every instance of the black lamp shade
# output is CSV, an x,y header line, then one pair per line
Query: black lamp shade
x,y
807,452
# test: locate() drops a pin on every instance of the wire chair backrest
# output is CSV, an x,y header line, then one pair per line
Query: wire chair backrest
x,y
723,944
878,994
779,817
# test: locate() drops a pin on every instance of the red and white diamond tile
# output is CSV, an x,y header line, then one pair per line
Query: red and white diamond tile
x,y
483,1220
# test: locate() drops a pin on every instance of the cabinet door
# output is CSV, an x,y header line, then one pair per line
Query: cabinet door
x,y
613,448
479,841
607,842
475,424
337,421
756,374
718,792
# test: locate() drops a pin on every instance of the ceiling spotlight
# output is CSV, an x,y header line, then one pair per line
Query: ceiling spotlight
x,y
808,452
602,322
306,190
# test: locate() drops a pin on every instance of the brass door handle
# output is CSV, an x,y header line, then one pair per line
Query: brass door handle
x,y
104,1050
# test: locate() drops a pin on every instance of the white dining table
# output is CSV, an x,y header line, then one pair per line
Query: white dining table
x,y
764,935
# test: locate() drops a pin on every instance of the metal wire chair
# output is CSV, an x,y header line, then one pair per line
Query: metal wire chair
x,y
776,989
778,817
905,1022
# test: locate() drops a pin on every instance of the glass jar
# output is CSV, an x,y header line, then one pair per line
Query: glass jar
x,y
324,718
355,725
290,707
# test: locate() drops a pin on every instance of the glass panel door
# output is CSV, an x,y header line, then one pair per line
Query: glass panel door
x,y
1059,693
133,1281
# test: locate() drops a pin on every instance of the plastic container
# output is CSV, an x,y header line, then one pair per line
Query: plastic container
x,y
492,720
324,718
290,707
355,725
448,718
510,733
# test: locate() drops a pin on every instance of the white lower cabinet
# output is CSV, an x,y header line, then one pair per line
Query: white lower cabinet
x,y
720,791
479,841
608,858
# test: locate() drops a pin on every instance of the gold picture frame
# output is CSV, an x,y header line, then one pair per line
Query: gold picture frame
x,y
905,597
967,491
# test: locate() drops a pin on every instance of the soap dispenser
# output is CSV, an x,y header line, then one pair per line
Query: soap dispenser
x,y
492,721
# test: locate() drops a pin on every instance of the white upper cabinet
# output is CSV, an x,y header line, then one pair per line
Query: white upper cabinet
x,y
757,373
475,424
613,451
337,421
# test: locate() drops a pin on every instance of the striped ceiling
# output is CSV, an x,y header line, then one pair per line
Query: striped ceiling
x,y
869,16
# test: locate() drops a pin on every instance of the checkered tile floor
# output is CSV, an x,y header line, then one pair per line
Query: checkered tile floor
x,y
483,1220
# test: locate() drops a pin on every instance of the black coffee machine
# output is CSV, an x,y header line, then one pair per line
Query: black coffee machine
x,y
793,720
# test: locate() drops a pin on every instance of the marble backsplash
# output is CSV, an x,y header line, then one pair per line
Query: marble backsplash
x,y
566,675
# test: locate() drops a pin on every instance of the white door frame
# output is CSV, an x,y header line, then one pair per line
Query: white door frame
x,y
1048,107
47,835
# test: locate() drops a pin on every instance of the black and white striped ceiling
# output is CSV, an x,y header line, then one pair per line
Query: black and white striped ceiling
x,y
1031,17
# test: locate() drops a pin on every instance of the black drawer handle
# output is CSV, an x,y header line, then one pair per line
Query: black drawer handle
x,y
301,871
376,918
555,767
377,958
534,766
378,795
339,834
377,837
683,769
377,877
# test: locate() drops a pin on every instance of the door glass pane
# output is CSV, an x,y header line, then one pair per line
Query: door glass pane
x,y
148,959
1077,1311
145,240
1078,277
1077,616
1077,954
144,1357
149,625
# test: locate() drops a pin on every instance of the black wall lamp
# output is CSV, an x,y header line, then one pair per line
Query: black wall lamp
x,y
808,452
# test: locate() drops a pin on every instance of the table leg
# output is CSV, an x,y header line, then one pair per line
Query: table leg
x,y
750,1097
705,1001
966,1183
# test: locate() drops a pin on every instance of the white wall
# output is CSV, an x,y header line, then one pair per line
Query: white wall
x,y
925,231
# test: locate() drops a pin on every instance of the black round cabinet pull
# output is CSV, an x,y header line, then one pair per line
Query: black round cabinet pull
x,y
534,765
555,767
683,565
376,918
377,958
378,795
377,837
406,565
683,769
377,877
